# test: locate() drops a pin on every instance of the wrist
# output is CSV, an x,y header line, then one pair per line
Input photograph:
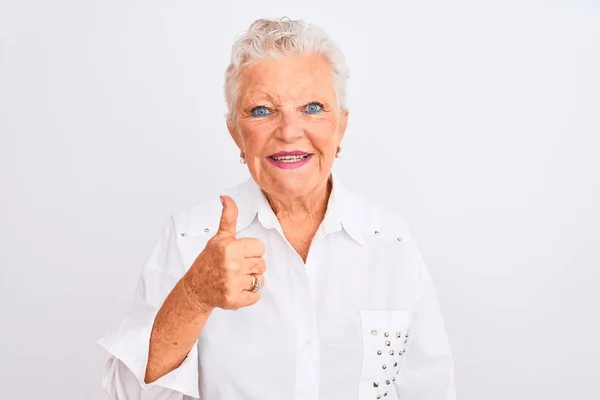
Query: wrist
x,y
191,296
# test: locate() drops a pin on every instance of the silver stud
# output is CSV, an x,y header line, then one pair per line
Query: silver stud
x,y
393,379
377,232
375,384
406,334
183,234
387,343
397,371
384,366
399,239
387,382
206,229
378,396
384,394
379,352
373,332
395,364
386,334
406,341
391,352
398,335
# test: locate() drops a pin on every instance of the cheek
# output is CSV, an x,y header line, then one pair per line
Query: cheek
x,y
323,134
255,137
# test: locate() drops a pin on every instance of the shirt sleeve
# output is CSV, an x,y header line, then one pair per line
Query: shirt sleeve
x,y
124,371
427,372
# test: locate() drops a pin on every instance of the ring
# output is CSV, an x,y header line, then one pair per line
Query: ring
x,y
256,284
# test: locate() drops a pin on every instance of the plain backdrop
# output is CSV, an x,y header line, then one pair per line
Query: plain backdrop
x,y
478,122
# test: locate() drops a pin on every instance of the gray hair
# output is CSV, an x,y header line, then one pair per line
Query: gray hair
x,y
282,38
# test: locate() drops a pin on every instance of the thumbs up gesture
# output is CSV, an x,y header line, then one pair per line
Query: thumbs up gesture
x,y
228,269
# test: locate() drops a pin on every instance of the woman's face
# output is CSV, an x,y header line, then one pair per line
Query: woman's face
x,y
288,123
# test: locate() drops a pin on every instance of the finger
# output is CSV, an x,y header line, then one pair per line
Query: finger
x,y
254,265
249,298
229,215
250,279
252,247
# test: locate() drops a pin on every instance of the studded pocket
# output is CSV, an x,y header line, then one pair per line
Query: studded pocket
x,y
385,336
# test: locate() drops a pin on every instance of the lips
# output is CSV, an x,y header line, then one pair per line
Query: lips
x,y
289,156
289,159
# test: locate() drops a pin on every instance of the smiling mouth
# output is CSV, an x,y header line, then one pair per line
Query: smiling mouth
x,y
290,158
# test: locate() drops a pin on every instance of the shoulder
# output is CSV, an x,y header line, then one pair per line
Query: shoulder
x,y
203,217
376,219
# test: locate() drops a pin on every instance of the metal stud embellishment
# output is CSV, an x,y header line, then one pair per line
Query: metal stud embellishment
x,y
386,334
378,352
398,335
393,379
395,364
377,232
388,343
373,332
375,384
387,382
384,394
399,239
378,396
206,230
384,366
391,352
183,234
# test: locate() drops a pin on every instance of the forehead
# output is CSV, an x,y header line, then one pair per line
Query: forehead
x,y
288,77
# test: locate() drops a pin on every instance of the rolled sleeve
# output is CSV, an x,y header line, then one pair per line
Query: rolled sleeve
x,y
427,372
125,369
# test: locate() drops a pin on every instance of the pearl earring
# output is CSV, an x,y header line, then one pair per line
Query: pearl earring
x,y
338,153
242,158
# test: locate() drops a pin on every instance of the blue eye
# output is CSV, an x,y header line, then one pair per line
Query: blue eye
x,y
260,111
313,108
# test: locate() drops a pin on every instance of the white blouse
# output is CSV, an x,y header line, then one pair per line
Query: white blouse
x,y
360,320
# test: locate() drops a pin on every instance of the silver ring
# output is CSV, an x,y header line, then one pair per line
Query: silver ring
x,y
256,284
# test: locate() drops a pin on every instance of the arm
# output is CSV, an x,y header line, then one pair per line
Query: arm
x,y
176,328
171,368
154,355
427,372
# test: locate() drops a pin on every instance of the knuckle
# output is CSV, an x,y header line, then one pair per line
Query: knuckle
x,y
260,247
231,250
261,265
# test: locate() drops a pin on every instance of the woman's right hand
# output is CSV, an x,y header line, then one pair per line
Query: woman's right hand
x,y
221,275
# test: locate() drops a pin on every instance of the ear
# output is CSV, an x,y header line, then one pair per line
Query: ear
x,y
235,135
343,123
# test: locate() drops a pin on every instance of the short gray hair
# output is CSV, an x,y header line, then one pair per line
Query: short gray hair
x,y
282,38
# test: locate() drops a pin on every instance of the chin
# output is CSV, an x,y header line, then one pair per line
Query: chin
x,y
294,184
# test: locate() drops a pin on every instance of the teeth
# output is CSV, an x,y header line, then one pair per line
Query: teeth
x,y
290,159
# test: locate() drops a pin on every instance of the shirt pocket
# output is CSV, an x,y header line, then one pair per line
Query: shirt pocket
x,y
385,336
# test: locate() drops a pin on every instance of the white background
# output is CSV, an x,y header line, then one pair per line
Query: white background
x,y
478,122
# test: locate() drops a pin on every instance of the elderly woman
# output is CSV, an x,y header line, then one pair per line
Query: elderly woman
x,y
288,286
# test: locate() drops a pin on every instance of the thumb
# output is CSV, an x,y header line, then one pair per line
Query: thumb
x,y
229,215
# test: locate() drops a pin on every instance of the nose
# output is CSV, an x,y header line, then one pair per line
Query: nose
x,y
289,129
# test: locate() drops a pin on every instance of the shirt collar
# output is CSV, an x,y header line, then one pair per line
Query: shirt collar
x,y
342,212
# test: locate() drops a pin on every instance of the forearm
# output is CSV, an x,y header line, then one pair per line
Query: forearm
x,y
176,328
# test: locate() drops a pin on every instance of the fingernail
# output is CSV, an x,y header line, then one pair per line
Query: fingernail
x,y
222,201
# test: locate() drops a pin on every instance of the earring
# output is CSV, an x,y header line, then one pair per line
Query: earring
x,y
338,153
242,158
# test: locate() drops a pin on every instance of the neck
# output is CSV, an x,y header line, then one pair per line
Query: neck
x,y
311,206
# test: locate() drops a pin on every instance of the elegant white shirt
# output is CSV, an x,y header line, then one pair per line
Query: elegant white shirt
x,y
360,320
